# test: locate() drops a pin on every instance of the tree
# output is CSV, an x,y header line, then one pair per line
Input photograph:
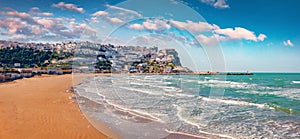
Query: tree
x,y
29,57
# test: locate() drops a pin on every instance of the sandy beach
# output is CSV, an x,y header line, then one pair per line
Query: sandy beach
x,y
39,107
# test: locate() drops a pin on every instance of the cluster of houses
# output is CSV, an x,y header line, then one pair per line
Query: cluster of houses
x,y
163,61
122,58
126,59
136,59
59,47
27,73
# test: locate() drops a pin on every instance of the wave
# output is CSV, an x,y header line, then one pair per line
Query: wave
x,y
262,106
183,95
284,109
295,82
119,110
181,135
203,134
236,102
150,92
226,84
292,93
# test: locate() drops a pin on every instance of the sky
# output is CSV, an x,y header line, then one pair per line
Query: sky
x,y
217,35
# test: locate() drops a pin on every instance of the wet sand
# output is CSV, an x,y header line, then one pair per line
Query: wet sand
x,y
39,107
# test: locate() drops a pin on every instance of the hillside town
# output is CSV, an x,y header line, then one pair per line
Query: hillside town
x,y
24,60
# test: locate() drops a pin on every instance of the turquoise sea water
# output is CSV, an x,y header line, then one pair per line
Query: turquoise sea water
x,y
278,90
153,106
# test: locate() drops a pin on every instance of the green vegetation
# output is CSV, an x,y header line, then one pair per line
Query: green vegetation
x,y
8,70
152,66
103,66
29,58
62,65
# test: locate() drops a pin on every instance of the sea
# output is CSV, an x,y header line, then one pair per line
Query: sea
x,y
262,105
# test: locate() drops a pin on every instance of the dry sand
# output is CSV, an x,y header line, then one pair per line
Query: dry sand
x,y
40,108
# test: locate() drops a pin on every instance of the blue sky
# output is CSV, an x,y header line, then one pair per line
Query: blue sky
x,y
254,35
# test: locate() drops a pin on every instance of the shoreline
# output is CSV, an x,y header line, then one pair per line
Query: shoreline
x,y
39,107
3,80
87,103
117,73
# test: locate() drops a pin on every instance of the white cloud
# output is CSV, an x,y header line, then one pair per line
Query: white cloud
x,y
18,14
156,24
12,25
136,26
36,11
240,33
114,20
37,30
124,10
47,23
100,13
221,4
288,43
194,26
94,20
162,24
261,37
70,7
208,40
46,14
149,24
